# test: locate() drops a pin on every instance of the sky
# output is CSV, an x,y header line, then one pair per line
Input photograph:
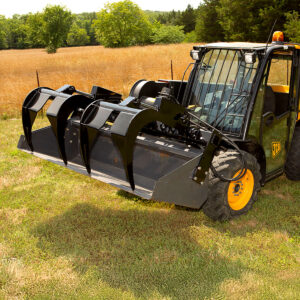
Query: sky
x,y
10,7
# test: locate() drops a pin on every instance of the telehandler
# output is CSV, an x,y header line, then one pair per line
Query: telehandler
x,y
209,142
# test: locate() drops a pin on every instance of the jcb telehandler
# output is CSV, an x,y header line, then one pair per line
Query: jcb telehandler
x,y
209,142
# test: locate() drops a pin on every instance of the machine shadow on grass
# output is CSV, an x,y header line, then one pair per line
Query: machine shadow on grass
x,y
146,202
144,252
276,209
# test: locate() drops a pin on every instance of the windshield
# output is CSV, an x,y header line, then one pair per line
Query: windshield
x,y
221,88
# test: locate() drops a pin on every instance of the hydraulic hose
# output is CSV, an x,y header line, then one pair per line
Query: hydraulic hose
x,y
229,141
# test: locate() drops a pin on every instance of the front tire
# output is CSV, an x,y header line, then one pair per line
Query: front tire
x,y
230,199
292,165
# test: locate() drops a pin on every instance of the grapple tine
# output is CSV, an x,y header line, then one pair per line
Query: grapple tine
x,y
28,119
128,125
85,137
125,147
93,118
58,125
58,113
33,103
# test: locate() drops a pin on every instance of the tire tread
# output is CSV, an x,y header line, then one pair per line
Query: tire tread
x,y
227,164
292,165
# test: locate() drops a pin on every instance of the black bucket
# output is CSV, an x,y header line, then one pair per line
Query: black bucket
x,y
162,168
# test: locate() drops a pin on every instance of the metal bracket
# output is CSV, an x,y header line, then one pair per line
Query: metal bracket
x,y
207,157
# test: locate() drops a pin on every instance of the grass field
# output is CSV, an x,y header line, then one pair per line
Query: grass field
x,y
83,67
66,236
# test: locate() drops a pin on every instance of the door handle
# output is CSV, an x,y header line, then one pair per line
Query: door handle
x,y
268,118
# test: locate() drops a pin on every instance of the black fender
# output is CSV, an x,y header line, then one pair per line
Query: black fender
x,y
258,152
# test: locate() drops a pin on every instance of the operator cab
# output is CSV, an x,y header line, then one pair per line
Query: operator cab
x,y
248,91
222,83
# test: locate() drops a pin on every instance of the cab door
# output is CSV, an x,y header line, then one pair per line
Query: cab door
x,y
276,113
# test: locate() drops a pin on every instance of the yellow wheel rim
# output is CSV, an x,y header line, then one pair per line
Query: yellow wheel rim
x,y
240,191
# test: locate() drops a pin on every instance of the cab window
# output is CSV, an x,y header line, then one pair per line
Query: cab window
x,y
276,96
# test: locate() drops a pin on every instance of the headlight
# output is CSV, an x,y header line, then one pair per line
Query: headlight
x,y
250,58
195,54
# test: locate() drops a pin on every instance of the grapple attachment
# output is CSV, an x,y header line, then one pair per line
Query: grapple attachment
x,y
114,142
63,104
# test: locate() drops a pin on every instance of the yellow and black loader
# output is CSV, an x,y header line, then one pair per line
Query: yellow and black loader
x,y
208,142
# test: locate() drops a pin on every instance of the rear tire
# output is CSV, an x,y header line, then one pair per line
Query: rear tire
x,y
230,199
292,165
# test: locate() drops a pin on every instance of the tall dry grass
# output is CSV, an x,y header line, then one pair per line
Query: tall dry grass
x,y
115,69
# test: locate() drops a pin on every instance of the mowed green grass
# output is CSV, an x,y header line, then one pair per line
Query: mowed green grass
x,y
66,236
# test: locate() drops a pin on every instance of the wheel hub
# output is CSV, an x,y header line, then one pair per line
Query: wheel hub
x,y
240,191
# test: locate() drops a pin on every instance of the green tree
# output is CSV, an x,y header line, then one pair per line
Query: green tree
x,y
3,33
85,21
34,32
190,37
57,21
16,32
252,20
168,34
169,18
77,36
236,18
208,28
122,24
188,19
292,26
152,15
271,11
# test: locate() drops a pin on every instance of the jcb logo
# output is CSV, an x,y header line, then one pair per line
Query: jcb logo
x,y
276,148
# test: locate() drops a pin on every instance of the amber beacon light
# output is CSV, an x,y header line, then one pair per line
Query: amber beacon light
x,y
278,36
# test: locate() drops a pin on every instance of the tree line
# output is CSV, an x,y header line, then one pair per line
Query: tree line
x,y
122,24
